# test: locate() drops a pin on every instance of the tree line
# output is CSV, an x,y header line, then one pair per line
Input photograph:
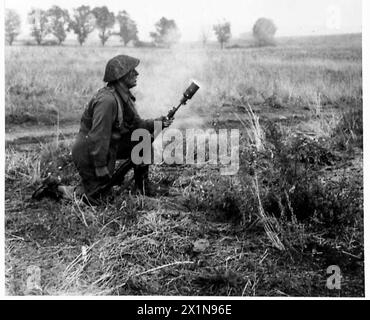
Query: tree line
x,y
83,20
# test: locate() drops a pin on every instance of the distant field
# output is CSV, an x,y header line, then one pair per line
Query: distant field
x,y
44,82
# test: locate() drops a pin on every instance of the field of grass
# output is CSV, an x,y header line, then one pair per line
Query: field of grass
x,y
294,208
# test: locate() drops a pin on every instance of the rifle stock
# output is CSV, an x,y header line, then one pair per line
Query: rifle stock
x,y
116,179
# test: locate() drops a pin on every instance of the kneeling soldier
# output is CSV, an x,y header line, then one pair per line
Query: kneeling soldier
x,y
106,127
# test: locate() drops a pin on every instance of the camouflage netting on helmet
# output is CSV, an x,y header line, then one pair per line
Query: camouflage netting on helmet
x,y
118,66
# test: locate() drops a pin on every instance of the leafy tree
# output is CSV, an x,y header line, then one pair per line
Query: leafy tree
x,y
264,31
127,28
82,23
223,32
58,20
166,33
39,24
12,25
104,20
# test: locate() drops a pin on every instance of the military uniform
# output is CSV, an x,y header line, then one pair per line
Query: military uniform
x,y
105,135
106,127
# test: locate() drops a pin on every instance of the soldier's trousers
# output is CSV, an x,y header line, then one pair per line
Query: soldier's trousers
x,y
86,169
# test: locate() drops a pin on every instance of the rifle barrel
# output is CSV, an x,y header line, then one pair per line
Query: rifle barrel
x,y
172,112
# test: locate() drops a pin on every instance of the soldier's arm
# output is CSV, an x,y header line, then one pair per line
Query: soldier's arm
x,y
99,136
147,124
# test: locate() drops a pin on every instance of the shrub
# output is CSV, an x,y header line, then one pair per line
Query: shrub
x,y
264,31
297,185
143,44
50,43
293,184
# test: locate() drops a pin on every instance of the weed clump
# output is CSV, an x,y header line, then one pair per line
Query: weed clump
x,y
298,180
302,182
349,131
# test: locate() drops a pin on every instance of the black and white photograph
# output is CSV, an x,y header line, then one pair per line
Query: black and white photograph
x,y
198,148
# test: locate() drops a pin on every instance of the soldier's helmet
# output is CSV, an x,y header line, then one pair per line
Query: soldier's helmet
x,y
119,66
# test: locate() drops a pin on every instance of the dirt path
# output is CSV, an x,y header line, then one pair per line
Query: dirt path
x,y
21,135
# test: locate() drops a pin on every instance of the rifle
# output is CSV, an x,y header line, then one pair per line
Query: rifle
x,y
127,165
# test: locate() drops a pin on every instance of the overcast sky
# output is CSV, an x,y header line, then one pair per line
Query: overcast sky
x,y
292,17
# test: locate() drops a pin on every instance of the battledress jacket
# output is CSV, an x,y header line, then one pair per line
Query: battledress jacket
x,y
107,122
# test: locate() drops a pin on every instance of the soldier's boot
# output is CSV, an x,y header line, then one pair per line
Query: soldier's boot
x,y
144,186
48,189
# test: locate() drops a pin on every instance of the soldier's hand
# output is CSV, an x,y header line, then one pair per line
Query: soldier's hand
x,y
166,122
102,173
